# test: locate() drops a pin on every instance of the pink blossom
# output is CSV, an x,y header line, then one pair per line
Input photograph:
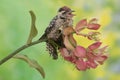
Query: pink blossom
x,y
67,55
81,25
91,64
96,54
81,65
69,40
93,25
83,58
80,52
94,45
93,36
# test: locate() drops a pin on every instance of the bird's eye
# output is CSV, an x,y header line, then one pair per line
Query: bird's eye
x,y
69,13
64,13
62,17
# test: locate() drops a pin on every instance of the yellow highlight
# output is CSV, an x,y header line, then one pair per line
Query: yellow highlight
x,y
109,39
105,17
83,41
114,77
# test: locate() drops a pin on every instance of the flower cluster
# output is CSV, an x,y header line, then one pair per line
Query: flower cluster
x,y
83,58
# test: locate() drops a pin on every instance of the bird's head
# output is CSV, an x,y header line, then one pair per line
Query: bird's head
x,y
65,12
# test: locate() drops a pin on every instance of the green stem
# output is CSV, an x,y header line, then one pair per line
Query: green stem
x,y
20,49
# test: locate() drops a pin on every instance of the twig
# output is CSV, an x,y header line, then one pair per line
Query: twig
x,y
20,49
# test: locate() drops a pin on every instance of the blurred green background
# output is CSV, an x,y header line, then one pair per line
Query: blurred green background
x,y
15,26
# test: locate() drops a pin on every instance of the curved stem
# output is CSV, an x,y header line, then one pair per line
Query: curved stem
x,y
20,49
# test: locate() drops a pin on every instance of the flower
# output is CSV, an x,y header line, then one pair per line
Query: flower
x,y
93,24
81,25
94,46
93,36
97,53
81,64
83,58
80,52
69,41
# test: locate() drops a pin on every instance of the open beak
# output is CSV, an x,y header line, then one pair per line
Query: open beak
x,y
71,12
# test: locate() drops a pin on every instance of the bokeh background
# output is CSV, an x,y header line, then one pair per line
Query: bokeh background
x,y
15,26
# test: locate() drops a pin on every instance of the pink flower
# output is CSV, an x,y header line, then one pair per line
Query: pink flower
x,y
96,54
91,64
83,58
69,40
94,46
81,64
80,52
67,55
81,25
93,36
92,57
93,25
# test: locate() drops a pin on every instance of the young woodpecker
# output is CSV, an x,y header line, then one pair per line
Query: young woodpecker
x,y
53,32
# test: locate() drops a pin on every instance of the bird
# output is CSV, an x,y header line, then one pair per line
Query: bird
x,y
53,32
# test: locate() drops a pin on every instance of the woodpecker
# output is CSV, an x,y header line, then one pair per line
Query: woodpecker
x,y
53,32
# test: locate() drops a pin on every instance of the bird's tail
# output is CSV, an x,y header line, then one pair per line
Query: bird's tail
x,y
52,50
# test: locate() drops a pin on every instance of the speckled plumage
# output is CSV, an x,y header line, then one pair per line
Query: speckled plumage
x,y
54,30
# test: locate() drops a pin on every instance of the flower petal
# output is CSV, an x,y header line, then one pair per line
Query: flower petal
x,y
94,45
64,52
103,49
72,40
91,60
93,26
93,36
101,59
81,65
70,59
68,31
94,20
91,64
67,55
90,56
68,44
81,25
80,52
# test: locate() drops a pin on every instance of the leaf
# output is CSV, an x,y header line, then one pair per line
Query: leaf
x,y
32,63
33,31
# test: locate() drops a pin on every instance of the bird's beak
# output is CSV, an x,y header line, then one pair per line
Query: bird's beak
x,y
72,11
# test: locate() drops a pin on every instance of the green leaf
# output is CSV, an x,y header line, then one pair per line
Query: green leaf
x,y
33,31
32,63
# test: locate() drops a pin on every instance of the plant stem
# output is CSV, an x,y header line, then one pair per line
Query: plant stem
x,y
20,49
